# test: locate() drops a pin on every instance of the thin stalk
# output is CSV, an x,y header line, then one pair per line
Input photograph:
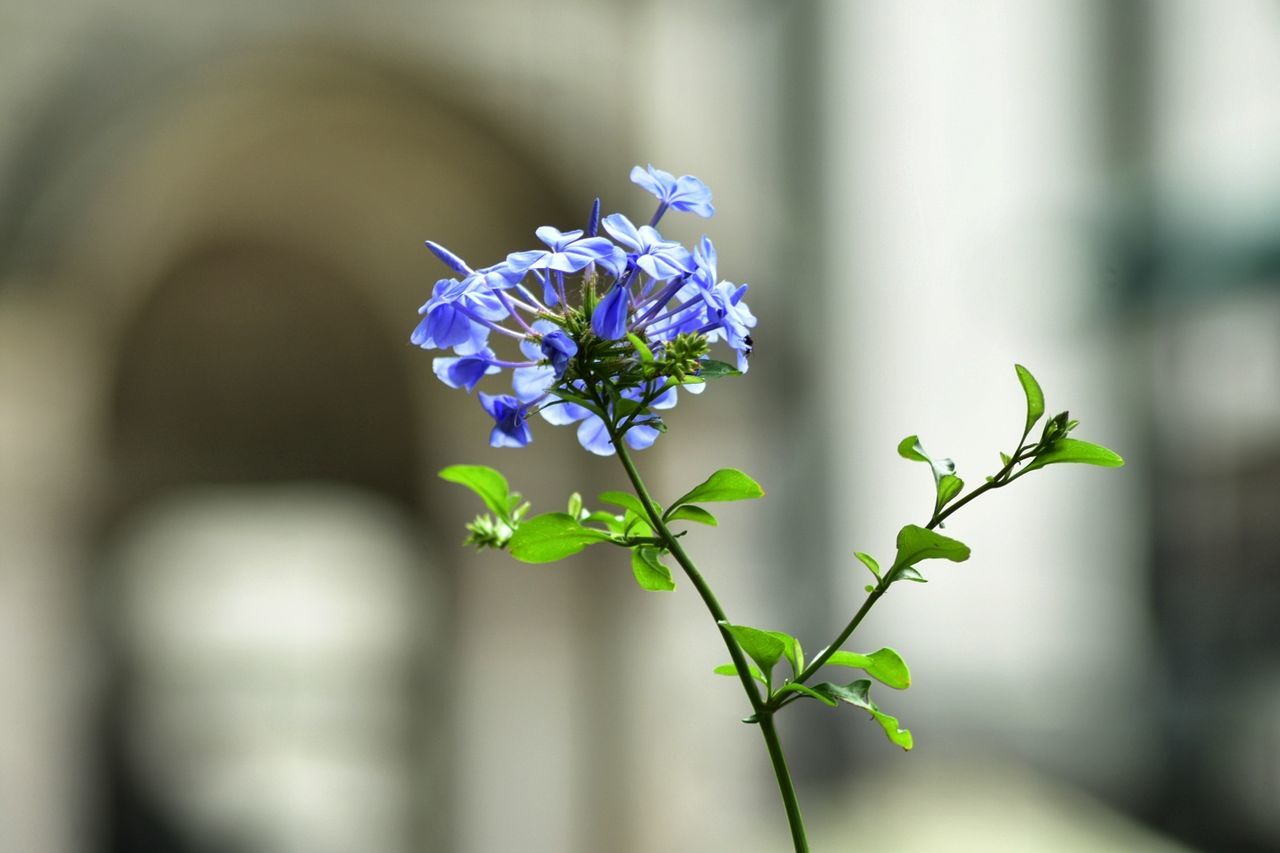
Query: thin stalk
x,y
1001,478
763,714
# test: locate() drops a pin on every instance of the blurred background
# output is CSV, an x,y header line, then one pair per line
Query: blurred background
x,y
234,616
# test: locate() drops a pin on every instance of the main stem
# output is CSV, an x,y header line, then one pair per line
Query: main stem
x,y
763,713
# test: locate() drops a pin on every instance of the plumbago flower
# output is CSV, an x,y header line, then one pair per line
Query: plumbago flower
x,y
602,332
607,328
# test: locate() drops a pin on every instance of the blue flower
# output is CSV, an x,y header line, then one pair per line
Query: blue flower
x,y
511,424
661,259
558,348
685,193
569,252
733,318
593,434
458,315
465,372
609,320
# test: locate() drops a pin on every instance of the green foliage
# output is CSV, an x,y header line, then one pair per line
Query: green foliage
x,y
1035,397
806,690
488,531
730,669
727,484
917,543
626,500
870,562
858,694
552,536
1075,450
486,482
709,368
885,666
791,650
945,482
948,487
763,647
689,512
649,572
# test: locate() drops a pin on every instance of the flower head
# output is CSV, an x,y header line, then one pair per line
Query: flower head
x,y
609,321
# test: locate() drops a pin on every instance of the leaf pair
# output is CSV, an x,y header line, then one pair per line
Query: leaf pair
x,y
1055,446
916,544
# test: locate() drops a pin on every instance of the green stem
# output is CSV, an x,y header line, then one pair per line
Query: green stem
x,y
1001,478
763,713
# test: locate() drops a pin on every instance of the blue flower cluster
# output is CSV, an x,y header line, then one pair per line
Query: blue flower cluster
x,y
607,327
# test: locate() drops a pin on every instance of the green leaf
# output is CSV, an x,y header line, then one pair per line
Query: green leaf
x,y
948,487
575,505
858,695
636,525
916,544
1075,450
552,536
649,572
870,562
709,368
791,650
1035,397
608,519
885,666
727,484
763,647
797,687
626,500
911,448
486,482
730,669
689,512
642,349
909,573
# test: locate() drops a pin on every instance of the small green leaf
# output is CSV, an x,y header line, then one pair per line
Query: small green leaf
x,y
885,666
909,573
642,349
763,647
608,519
1035,397
727,484
858,694
709,368
730,669
856,660
486,482
552,536
575,505
797,687
792,650
948,487
636,525
916,544
649,572
626,500
1075,450
870,562
911,448
689,512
